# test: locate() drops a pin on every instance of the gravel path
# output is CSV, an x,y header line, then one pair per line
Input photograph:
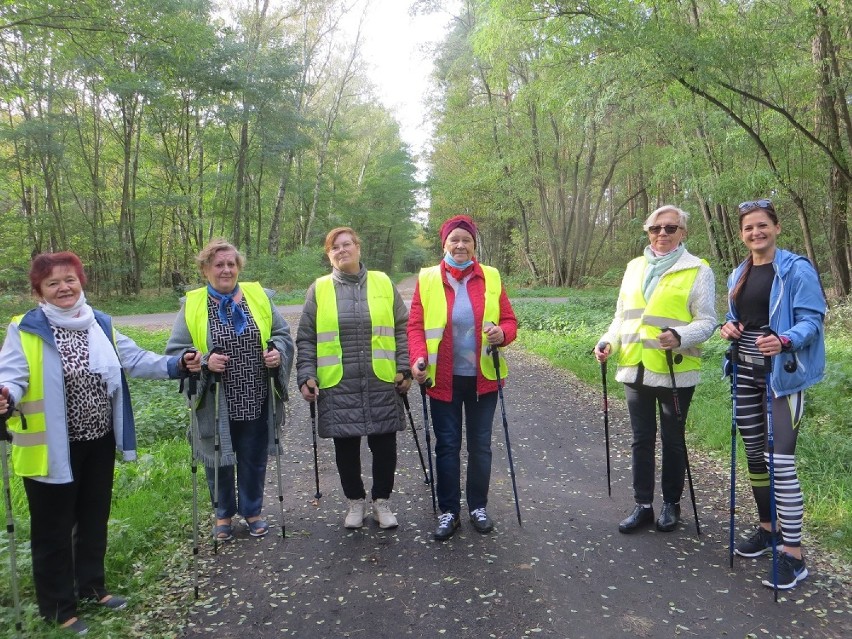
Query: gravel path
x,y
566,573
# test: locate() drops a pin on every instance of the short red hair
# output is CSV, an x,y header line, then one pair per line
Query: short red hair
x,y
331,238
43,266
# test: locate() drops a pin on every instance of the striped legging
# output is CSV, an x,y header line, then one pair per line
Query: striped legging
x,y
751,421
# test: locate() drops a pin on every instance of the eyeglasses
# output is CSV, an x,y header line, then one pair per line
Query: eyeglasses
x,y
748,207
671,229
346,246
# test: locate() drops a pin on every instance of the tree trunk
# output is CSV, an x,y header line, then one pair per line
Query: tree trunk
x,y
838,184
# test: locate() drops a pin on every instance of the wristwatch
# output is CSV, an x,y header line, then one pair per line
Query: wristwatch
x,y
786,344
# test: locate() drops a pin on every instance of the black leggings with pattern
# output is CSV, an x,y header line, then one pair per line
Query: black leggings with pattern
x,y
751,418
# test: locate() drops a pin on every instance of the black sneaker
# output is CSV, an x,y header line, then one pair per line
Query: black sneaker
x,y
758,544
448,524
481,521
790,572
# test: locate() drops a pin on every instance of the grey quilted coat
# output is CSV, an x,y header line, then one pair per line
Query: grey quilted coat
x,y
361,404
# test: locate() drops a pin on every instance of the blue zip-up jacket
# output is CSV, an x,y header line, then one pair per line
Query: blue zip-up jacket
x,y
14,374
796,310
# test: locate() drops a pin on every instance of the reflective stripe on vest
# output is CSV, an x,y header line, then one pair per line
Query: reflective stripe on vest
x,y
380,301
643,322
434,301
29,447
197,318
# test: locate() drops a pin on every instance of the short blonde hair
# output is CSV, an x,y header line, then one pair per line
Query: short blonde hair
x,y
206,256
666,208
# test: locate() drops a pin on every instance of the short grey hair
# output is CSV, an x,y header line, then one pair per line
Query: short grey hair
x,y
666,208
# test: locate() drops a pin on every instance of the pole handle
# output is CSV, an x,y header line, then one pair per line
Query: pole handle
x,y
677,358
422,367
270,346
217,377
4,431
187,375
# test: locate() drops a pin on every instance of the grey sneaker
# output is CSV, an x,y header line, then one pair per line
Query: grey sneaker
x,y
790,572
759,543
383,515
355,514
79,627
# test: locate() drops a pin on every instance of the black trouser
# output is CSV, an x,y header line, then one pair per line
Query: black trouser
x,y
642,403
68,524
347,451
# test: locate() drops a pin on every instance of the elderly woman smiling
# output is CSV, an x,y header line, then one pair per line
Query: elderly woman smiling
x,y
241,320
66,352
666,303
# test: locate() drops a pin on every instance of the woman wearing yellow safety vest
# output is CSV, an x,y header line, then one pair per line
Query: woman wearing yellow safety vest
x,y
353,362
240,318
459,308
666,303
63,368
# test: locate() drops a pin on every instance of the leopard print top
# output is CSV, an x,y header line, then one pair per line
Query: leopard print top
x,y
88,410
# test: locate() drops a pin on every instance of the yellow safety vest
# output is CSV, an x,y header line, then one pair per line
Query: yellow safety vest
x,y
380,300
434,302
643,321
197,319
29,446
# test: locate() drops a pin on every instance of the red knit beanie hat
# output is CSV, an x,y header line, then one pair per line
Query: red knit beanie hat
x,y
458,222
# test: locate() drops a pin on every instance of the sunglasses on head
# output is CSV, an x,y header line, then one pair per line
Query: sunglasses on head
x,y
671,229
748,207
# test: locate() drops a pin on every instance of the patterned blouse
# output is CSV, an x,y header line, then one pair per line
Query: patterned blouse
x,y
88,410
245,382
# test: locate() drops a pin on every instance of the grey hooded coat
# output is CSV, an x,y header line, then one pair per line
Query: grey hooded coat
x,y
361,404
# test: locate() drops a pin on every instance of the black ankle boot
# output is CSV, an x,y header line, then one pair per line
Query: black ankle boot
x,y
641,516
669,517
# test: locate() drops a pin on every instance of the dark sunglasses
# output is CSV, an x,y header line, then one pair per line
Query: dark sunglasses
x,y
748,207
671,229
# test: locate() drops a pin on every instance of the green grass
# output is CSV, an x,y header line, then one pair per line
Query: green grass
x,y
565,334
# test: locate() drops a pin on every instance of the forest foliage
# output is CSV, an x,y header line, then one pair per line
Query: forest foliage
x,y
562,125
131,131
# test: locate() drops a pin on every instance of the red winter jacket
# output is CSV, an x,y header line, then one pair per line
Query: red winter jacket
x,y
442,389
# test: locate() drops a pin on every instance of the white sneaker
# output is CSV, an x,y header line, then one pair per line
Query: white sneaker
x,y
382,514
355,514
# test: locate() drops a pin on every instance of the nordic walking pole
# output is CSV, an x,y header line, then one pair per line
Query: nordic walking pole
x,y
191,395
670,359
770,445
313,389
416,439
735,355
273,372
10,521
496,356
602,347
217,443
423,387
